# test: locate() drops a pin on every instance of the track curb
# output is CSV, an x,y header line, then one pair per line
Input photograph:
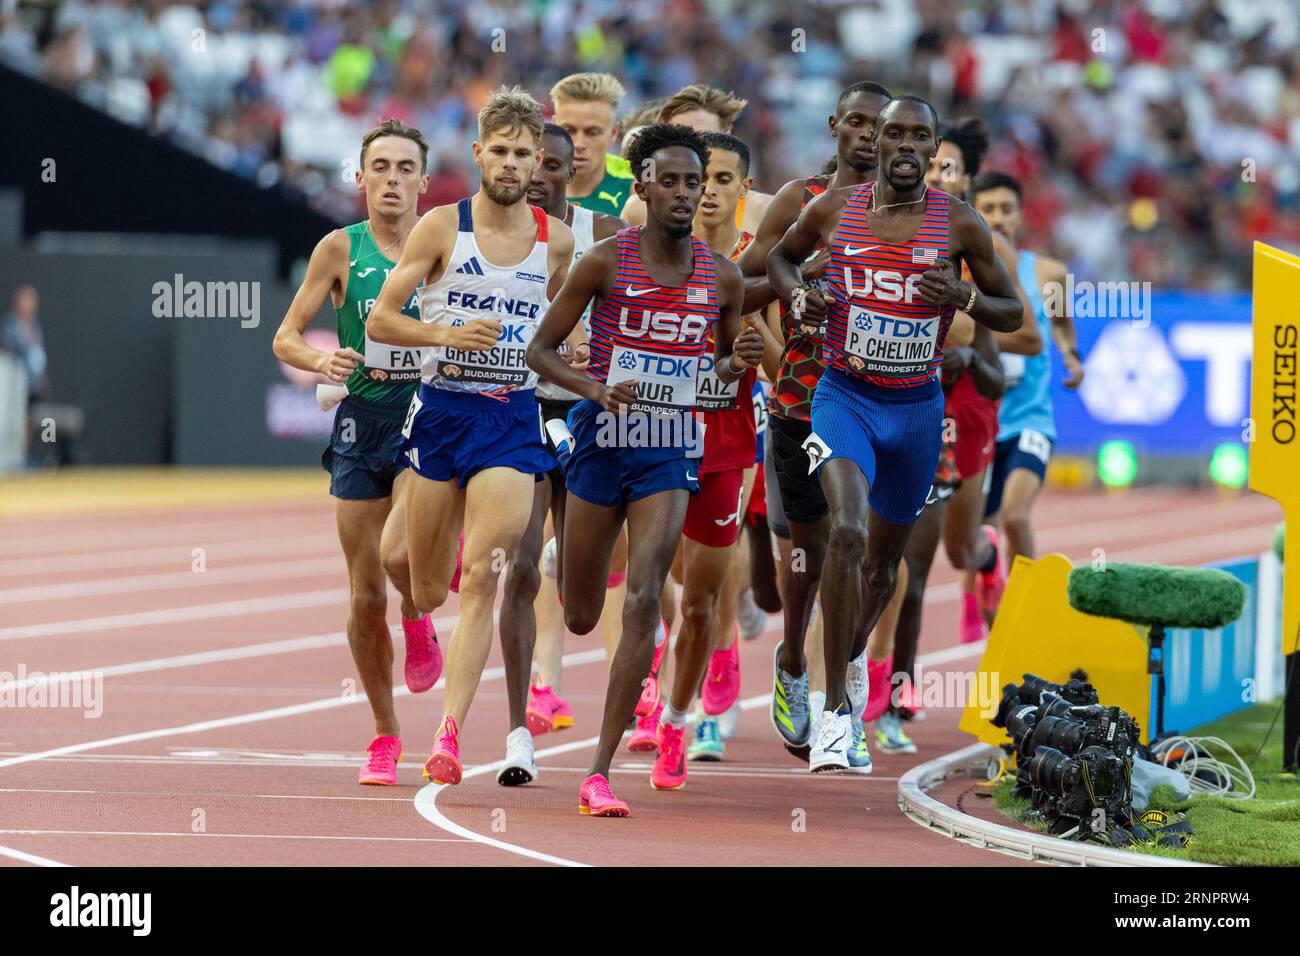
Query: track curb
x,y
936,816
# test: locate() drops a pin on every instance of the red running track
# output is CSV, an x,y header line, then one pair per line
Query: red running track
x,y
230,730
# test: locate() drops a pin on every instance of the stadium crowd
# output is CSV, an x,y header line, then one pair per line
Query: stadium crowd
x,y
1159,138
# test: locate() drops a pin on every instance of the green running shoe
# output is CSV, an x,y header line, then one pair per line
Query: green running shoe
x,y
707,742
789,704
891,736
859,755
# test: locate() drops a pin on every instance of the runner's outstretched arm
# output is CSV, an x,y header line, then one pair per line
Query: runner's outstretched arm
x,y
591,278
426,250
784,262
734,336
780,213
326,275
996,305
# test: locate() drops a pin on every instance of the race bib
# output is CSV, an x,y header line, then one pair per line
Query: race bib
x,y
1013,368
501,365
888,345
412,410
392,363
712,394
1036,444
665,384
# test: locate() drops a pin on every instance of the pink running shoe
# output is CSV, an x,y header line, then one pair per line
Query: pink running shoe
x,y
645,738
649,698
878,688
454,586
443,765
989,587
597,800
722,681
423,655
972,621
669,770
546,711
381,766
909,699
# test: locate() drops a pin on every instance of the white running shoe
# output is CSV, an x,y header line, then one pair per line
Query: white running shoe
x,y
549,559
727,721
831,750
520,766
816,707
857,683
751,617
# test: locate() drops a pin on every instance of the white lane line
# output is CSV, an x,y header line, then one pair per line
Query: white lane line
x,y
28,857
174,615
229,836
426,801
43,539
294,710
277,570
181,555
267,649
201,793
426,804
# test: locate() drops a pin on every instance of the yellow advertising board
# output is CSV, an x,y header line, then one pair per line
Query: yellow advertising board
x,y
1275,410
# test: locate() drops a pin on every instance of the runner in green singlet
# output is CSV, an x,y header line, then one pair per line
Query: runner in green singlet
x,y
349,265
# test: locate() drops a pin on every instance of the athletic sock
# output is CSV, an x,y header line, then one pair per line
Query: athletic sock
x,y
989,566
817,702
661,633
673,717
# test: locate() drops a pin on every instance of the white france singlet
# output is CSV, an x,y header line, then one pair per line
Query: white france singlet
x,y
471,287
584,236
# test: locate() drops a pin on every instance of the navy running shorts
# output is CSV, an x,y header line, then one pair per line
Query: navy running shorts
x,y
455,435
611,466
894,439
1030,450
362,454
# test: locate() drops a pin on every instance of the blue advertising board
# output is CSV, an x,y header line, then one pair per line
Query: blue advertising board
x,y
1173,377
1209,674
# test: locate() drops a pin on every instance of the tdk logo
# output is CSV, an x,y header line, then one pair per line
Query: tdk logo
x,y
521,308
664,326
892,327
883,284
530,277
658,366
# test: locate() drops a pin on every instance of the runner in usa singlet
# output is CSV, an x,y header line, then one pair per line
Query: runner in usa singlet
x,y
878,327
654,335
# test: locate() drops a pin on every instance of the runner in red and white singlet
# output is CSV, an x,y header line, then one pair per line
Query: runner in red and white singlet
x,y
877,414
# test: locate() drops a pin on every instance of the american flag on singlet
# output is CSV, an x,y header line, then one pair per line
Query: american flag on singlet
x,y
878,327
654,334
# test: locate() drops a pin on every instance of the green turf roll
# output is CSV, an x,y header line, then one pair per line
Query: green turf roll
x,y
1279,540
1153,593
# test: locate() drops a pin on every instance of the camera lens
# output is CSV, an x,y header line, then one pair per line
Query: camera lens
x,y
1050,769
1060,733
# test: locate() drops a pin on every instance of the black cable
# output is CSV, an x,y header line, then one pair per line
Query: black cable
x,y
1295,666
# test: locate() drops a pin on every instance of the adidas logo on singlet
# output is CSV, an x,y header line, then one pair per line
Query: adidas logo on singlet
x,y
471,268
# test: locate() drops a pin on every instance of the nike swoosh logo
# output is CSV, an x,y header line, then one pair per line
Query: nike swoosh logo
x,y
633,293
850,251
831,746
690,477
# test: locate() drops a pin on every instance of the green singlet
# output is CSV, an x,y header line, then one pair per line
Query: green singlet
x,y
391,373
612,191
